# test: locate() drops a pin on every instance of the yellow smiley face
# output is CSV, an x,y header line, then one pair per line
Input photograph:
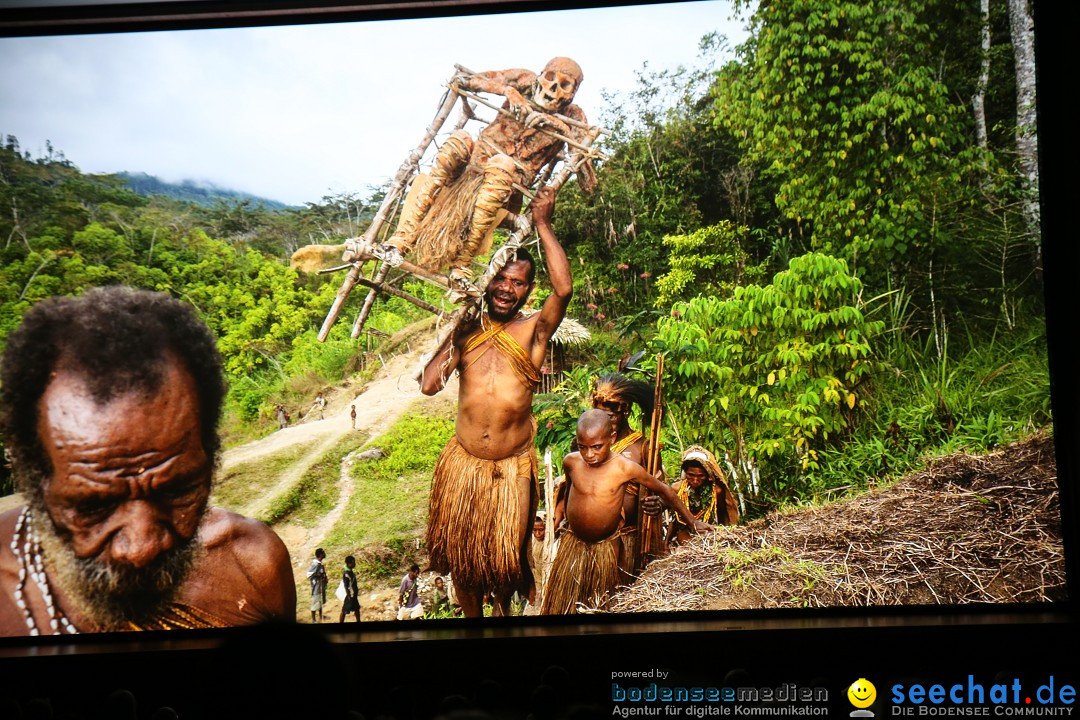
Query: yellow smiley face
x,y
862,693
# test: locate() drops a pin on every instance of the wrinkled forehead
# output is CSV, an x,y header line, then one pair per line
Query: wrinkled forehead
x,y
70,415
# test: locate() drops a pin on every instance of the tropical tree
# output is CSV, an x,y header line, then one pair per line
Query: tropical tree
x,y
772,375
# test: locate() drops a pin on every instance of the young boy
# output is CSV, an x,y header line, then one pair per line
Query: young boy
x,y
351,604
586,568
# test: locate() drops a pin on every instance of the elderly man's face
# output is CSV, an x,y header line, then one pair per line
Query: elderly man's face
x,y
539,529
130,483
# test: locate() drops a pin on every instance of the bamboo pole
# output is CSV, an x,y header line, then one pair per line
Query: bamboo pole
x,y
408,169
549,501
645,522
369,301
383,287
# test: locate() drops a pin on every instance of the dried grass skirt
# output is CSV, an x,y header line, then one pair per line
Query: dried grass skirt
x,y
583,573
475,531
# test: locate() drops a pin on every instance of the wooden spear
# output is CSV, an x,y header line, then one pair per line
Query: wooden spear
x,y
549,501
647,523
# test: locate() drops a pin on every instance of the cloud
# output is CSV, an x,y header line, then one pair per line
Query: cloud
x,y
296,112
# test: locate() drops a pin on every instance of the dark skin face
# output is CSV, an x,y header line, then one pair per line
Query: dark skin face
x,y
130,478
594,444
695,476
539,530
616,411
509,290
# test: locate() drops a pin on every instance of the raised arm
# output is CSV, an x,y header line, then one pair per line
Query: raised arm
x,y
508,83
558,267
671,499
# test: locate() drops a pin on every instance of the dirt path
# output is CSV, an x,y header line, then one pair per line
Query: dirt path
x,y
391,394
382,402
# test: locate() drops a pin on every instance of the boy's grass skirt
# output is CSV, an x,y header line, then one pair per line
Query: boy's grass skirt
x,y
628,562
475,530
583,573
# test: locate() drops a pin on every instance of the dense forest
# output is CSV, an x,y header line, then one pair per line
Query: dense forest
x,y
831,232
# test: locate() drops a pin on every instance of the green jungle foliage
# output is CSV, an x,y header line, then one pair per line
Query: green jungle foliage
x,y
782,366
837,268
64,232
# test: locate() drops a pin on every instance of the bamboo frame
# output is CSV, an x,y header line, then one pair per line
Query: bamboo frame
x,y
573,157
383,287
523,227
503,111
405,172
568,120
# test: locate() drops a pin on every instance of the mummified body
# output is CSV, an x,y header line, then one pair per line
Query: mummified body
x,y
471,180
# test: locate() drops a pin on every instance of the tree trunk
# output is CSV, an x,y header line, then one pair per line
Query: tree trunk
x,y
1021,27
978,101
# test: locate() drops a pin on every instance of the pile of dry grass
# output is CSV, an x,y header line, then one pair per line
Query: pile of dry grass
x,y
968,529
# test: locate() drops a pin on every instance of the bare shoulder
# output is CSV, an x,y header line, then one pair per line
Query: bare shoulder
x,y
11,618
7,522
244,552
624,464
224,531
629,469
8,564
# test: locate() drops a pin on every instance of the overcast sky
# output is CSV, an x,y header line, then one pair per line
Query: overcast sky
x,y
296,113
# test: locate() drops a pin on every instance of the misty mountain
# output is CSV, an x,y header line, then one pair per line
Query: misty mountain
x,y
201,193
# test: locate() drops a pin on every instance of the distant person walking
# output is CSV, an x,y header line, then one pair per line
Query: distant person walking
x,y
351,603
409,605
352,414
316,575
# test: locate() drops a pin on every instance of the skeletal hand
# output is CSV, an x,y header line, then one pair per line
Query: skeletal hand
x,y
536,119
518,105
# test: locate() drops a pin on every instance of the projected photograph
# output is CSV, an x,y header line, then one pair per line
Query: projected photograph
x,y
692,307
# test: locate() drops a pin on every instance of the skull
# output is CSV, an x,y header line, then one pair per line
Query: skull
x,y
556,85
